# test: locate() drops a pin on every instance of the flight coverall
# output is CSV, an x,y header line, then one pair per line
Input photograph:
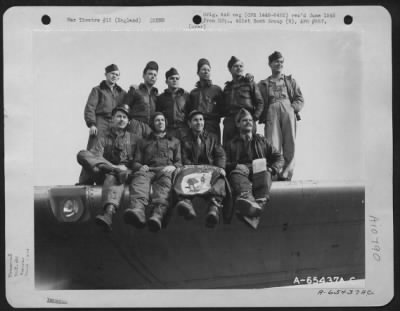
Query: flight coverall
x,y
240,151
142,103
110,148
282,99
102,100
208,99
174,106
241,94
156,153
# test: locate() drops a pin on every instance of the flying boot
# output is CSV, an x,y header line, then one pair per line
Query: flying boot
x,y
105,220
135,215
155,221
185,209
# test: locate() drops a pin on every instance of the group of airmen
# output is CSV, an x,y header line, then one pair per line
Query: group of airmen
x,y
142,138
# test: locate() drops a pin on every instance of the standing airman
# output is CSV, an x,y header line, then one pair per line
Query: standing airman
x,y
239,93
174,103
207,98
101,102
283,102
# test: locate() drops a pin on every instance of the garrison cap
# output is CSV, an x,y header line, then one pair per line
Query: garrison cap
x,y
274,56
171,72
194,113
124,108
202,62
241,114
111,68
151,65
233,61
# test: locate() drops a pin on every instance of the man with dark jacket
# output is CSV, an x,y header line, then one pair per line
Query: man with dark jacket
x,y
102,100
207,98
142,100
283,101
174,104
109,160
156,159
201,147
239,93
250,162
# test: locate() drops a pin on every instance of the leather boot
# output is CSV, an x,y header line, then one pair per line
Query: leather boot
x,y
185,209
155,221
105,220
247,206
135,216
263,203
213,216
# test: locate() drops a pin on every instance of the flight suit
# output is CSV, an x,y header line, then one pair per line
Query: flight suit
x,y
156,153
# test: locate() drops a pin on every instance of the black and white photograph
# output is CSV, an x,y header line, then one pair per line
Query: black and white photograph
x,y
229,156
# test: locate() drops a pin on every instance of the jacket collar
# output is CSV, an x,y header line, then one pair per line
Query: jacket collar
x,y
179,91
204,134
153,136
114,132
153,90
255,137
203,83
104,85
267,80
240,79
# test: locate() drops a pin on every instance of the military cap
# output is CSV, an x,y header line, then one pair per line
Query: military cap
x,y
241,114
171,72
194,113
201,63
233,61
111,67
151,65
124,108
274,56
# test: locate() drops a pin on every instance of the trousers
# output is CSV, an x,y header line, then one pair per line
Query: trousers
x,y
112,191
140,188
245,181
102,125
280,131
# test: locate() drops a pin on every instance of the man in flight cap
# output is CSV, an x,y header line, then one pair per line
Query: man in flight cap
x,y
200,147
142,100
109,162
173,103
251,161
239,93
283,101
207,98
156,159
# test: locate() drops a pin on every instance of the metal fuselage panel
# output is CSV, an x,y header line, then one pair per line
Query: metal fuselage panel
x,y
310,229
